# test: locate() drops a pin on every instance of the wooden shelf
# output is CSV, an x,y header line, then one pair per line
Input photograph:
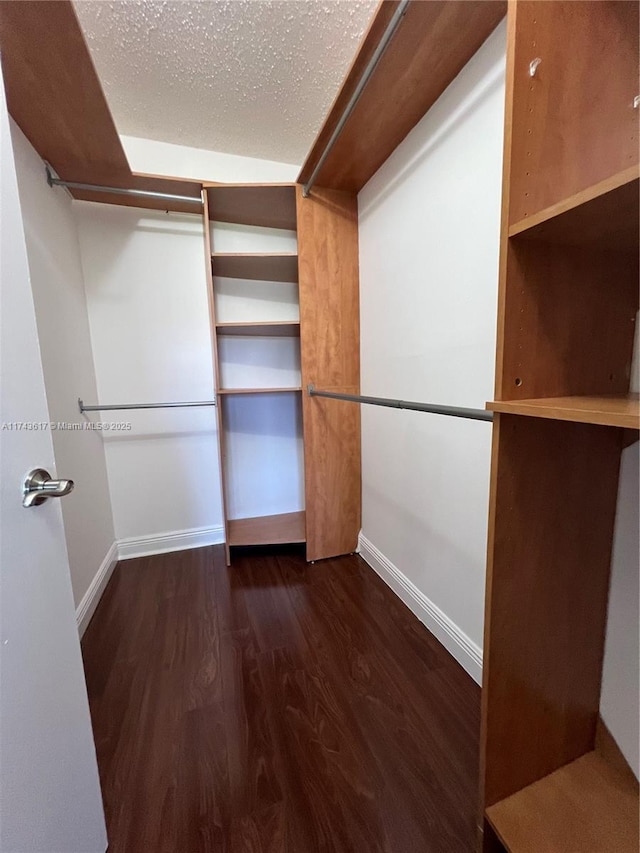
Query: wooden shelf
x,y
268,529
620,410
276,329
590,804
259,390
431,46
267,205
272,267
604,215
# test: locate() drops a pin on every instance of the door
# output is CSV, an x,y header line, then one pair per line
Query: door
x,y
49,790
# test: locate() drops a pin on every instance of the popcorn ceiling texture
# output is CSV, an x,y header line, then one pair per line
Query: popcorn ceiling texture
x,y
251,77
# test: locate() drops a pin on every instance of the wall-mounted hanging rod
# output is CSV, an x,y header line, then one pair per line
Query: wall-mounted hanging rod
x,y
54,181
388,34
451,411
174,405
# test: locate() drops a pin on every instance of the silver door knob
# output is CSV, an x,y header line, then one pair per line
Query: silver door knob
x,y
39,486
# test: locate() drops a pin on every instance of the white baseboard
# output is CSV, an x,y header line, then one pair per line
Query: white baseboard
x,y
92,596
455,641
175,540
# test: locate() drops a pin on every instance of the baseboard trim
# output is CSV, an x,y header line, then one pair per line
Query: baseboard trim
x,y
455,641
92,596
175,540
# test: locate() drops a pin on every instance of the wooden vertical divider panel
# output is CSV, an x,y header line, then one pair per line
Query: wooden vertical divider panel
x,y
555,491
330,353
216,368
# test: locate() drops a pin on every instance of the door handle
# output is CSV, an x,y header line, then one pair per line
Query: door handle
x,y
39,486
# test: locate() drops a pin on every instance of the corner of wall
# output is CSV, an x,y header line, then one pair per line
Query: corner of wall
x,y
452,637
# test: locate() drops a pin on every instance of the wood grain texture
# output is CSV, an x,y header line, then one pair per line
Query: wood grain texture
x,y
258,390
560,307
620,411
275,706
273,267
55,97
330,359
573,123
554,494
270,329
433,43
266,205
588,805
279,529
604,215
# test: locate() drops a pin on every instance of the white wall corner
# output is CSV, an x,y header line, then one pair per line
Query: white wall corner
x,y
92,596
176,540
455,641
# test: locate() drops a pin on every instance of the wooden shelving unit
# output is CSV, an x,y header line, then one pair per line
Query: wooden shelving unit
x,y
269,207
605,215
268,529
620,410
589,804
567,305
264,205
281,266
277,329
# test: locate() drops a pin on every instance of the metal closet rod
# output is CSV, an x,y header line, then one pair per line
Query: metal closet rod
x,y
451,411
54,181
173,405
388,34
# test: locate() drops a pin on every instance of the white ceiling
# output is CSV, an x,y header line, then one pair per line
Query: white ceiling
x,y
252,77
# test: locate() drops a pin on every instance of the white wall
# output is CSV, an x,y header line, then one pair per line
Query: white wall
x,y
429,241
164,158
620,699
63,328
147,301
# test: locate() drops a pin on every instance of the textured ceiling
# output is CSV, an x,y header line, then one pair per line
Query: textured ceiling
x,y
252,77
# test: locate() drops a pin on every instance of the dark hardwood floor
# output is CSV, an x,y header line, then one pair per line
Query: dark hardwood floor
x,y
276,706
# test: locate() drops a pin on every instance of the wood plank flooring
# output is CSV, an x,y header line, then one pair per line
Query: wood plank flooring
x,y
276,706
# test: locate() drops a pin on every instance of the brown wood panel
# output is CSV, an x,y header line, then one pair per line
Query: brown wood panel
x,y
553,508
275,707
333,491
258,267
55,96
330,358
258,390
279,529
267,205
433,43
605,215
560,308
274,329
588,805
573,124
620,411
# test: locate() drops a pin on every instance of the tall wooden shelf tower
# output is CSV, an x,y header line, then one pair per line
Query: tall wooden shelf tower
x,y
296,278
552,782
